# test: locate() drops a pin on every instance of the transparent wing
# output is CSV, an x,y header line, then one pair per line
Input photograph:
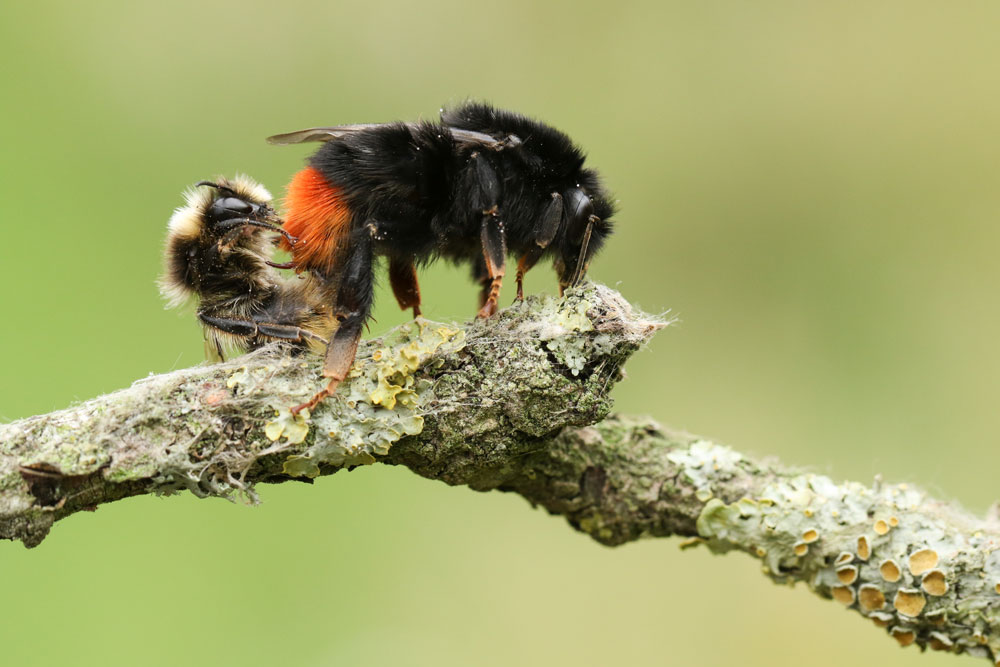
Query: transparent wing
x,y
341,131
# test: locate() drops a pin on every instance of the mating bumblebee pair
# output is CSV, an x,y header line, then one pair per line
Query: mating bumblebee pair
x,y
477,185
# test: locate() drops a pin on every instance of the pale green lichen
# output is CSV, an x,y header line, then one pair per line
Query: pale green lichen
x,y
807,528
704,461
561,335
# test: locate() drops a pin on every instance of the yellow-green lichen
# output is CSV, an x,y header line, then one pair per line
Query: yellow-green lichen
x,y
300,466
295,428
380,402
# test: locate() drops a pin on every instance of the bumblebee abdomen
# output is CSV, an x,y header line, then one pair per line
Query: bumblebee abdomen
x,y
318,216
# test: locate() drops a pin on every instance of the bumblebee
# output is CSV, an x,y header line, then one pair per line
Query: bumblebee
x,y
218,249
476,186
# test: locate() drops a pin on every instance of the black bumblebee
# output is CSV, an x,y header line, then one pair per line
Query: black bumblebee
x,y
218,248
477,185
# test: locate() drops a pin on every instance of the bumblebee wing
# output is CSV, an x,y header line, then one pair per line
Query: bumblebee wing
x,y
341,131
318,134
481,139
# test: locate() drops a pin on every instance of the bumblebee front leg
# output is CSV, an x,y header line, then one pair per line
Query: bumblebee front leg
x,y
579,229
403,278
547,228
354,304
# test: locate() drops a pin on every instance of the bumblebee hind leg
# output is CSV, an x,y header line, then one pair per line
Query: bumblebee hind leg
x,y
354,304
482,186
494,256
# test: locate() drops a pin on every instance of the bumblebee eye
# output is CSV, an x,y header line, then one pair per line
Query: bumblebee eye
x,y
226,208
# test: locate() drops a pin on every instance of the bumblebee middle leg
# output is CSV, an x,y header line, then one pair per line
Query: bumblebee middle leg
x,y
524,265
494,256
546,231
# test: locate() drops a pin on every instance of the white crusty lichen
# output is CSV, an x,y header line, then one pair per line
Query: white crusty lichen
x,y
887,551
569,350
704,462
572,331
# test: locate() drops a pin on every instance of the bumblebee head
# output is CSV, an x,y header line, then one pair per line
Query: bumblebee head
x,y
215,209
217,219
231,207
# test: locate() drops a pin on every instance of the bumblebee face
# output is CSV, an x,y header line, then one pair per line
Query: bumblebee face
x,y
236,206
219,220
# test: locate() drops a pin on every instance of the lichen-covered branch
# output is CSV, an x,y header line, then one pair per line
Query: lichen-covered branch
x,y
478,394
924,570
505,405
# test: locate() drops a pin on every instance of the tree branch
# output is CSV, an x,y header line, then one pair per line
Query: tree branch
x,y
476,396
504,405
924,570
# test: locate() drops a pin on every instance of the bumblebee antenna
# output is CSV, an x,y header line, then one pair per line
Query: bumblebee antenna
x,y
581,261
222,188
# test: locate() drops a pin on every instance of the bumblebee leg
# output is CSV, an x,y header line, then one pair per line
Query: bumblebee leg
x,y
480,276
482,186
403,278
494,254
548,226
354,304
213,348
575,253
248,328
583,259
547,229
524,265
286,332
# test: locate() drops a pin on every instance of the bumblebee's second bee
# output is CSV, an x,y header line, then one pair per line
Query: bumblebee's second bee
x,y
218,250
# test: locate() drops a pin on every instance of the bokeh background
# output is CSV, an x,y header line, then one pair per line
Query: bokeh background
x,y
810,186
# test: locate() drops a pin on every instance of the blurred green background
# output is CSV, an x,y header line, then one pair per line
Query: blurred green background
x,y
810,186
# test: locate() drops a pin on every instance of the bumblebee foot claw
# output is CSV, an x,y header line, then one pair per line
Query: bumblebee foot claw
x,y
326,391
488,310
